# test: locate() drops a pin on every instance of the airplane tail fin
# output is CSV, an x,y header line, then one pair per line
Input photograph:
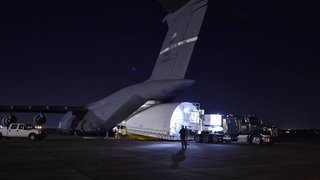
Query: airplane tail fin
x,y
184,21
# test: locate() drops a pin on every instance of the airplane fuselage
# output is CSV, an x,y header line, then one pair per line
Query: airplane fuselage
x,y
108,112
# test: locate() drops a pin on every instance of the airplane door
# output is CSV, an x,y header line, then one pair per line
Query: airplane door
x,y
13,130
21,131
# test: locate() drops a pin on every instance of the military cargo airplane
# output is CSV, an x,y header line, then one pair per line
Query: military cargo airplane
x,y
165,83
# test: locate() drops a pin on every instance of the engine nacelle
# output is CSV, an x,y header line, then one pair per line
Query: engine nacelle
x,y
39,119
7,120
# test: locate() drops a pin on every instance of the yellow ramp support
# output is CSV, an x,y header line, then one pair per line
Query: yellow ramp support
x,y
141,137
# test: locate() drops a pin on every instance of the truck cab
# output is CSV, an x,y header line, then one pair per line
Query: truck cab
x,y
250,129
17,130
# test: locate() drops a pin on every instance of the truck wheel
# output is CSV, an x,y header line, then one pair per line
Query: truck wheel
x,y
32,137
206,139
256,140
215,139
198,139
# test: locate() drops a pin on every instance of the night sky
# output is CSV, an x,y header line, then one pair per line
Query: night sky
x,y
252,57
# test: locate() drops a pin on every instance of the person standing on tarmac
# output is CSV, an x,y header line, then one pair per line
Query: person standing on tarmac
x,y
183,137
115,132
107,133
124,133
98,131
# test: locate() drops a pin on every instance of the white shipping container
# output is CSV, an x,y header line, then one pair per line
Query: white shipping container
x,y
212,119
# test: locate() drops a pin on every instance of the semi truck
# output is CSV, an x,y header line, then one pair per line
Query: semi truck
x,y
245,128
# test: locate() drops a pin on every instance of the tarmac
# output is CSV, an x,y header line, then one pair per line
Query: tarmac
x,y
62,156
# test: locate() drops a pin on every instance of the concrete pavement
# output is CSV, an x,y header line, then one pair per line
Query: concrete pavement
x,y
63,156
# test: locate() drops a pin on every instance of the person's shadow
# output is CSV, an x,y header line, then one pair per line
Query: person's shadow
x,y
177,158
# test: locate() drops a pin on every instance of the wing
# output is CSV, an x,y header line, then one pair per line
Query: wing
x,y
39,119
43,109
